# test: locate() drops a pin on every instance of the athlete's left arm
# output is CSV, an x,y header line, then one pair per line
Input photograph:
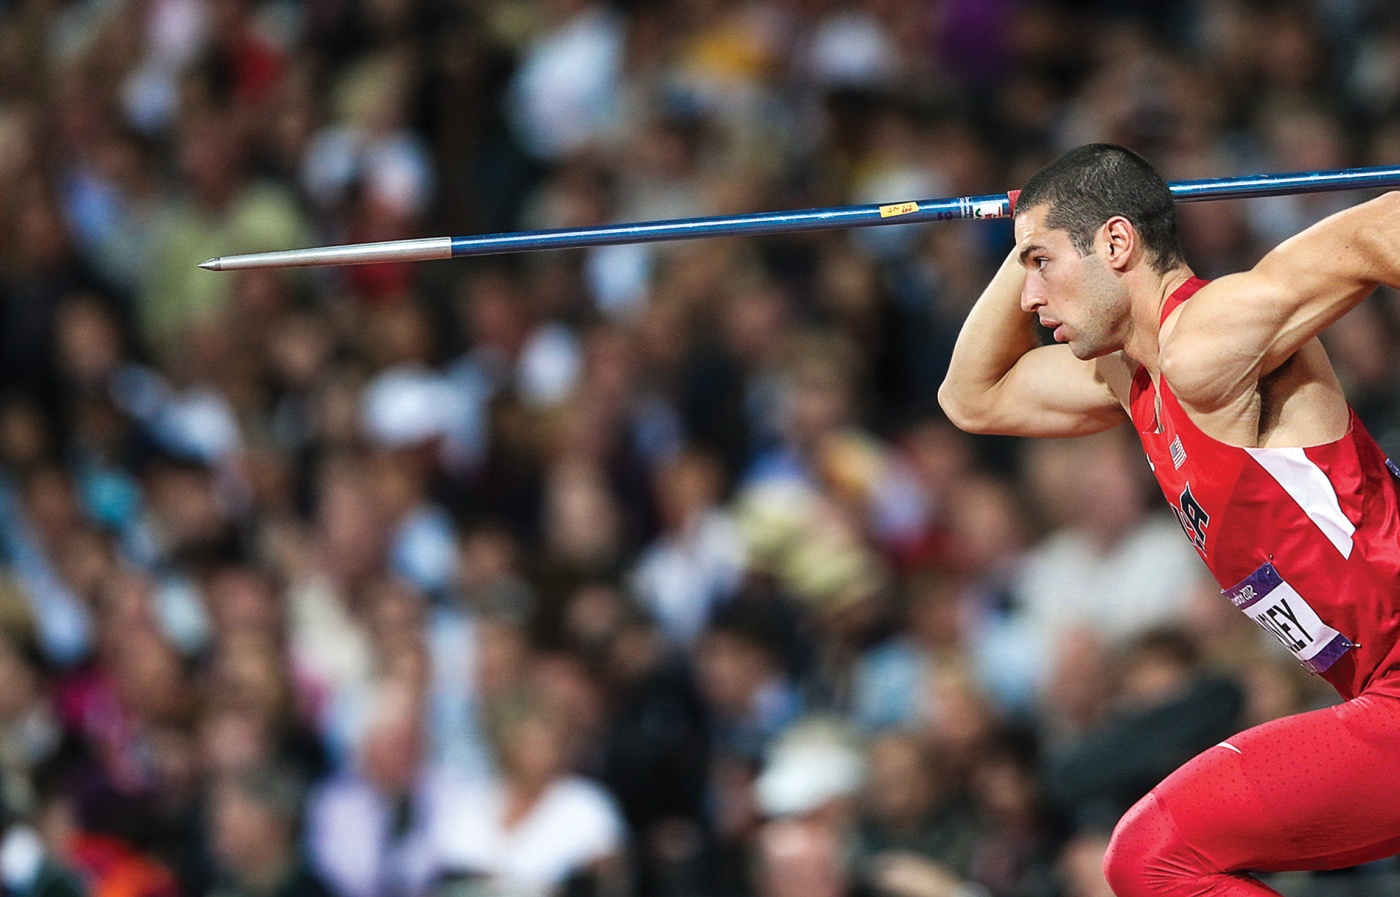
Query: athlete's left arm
x,y
1240,328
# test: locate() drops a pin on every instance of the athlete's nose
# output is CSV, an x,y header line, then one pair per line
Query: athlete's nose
x,y
1031,299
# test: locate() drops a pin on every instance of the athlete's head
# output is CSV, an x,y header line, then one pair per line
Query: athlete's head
x,y
1088,225
1091,184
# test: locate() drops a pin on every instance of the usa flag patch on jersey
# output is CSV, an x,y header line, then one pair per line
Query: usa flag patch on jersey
x,y
1178,452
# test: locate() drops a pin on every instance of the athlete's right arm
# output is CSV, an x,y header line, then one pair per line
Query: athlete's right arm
x,y
1000,380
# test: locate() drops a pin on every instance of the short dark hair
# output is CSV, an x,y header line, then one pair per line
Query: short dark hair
x,y
1090,184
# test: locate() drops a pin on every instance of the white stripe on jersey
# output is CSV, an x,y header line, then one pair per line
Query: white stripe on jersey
x,y
1309,487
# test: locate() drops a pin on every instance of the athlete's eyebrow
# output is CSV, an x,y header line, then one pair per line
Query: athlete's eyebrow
x,y
1028,251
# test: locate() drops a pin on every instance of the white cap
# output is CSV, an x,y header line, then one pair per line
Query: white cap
x,y
407,406
807,769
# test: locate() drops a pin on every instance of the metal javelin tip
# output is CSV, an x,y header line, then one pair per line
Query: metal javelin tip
x,y
422,249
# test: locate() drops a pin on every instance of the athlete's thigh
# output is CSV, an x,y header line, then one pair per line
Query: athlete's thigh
x,y
1310,791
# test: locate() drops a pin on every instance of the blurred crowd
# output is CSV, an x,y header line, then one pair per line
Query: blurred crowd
x,y
640,570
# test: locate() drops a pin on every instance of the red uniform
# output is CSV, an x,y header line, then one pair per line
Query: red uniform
x,y
1306,541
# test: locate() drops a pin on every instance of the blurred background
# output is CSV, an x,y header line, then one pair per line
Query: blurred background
x,y
641,570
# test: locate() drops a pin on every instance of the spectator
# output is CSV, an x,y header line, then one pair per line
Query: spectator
x,y
254,820
916,837
1081,864
563,97
327,634
740,670
694,566
655,758
45,517
889,677
30,734
1073,579
30,871
533,828
1166,709
479,645
1019,836
377,826
810,785
800,859
224,206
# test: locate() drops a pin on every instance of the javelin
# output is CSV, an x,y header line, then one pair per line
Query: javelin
x,y
995,205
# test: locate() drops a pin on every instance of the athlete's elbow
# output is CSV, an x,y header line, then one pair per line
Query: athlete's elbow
x,y
1388,202
963,408
1381,238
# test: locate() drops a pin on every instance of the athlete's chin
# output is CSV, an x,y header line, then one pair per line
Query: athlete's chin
x,y
1086,351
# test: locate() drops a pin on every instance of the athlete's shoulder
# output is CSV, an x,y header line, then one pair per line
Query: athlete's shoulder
x,y
1207,348
1200,305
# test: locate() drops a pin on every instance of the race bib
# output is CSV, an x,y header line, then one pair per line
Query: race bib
x,y
1273,604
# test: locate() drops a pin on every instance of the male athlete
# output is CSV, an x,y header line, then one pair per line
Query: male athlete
x,y
1290,502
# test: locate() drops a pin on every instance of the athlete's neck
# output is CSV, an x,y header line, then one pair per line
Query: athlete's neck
x,y
1150,296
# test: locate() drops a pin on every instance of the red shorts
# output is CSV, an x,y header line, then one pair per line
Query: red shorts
x,y
1319,790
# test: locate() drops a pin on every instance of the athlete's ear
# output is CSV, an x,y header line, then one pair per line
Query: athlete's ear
x,y
1119,242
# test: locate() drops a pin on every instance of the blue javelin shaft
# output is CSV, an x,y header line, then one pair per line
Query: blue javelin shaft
x,y
995,205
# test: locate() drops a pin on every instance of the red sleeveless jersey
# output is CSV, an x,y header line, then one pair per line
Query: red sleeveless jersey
x,y
1306,541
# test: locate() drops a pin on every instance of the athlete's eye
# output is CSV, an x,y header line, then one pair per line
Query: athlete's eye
x,y
1041,262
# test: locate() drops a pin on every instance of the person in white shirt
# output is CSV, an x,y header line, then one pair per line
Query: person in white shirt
x,y
534,825
372,830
